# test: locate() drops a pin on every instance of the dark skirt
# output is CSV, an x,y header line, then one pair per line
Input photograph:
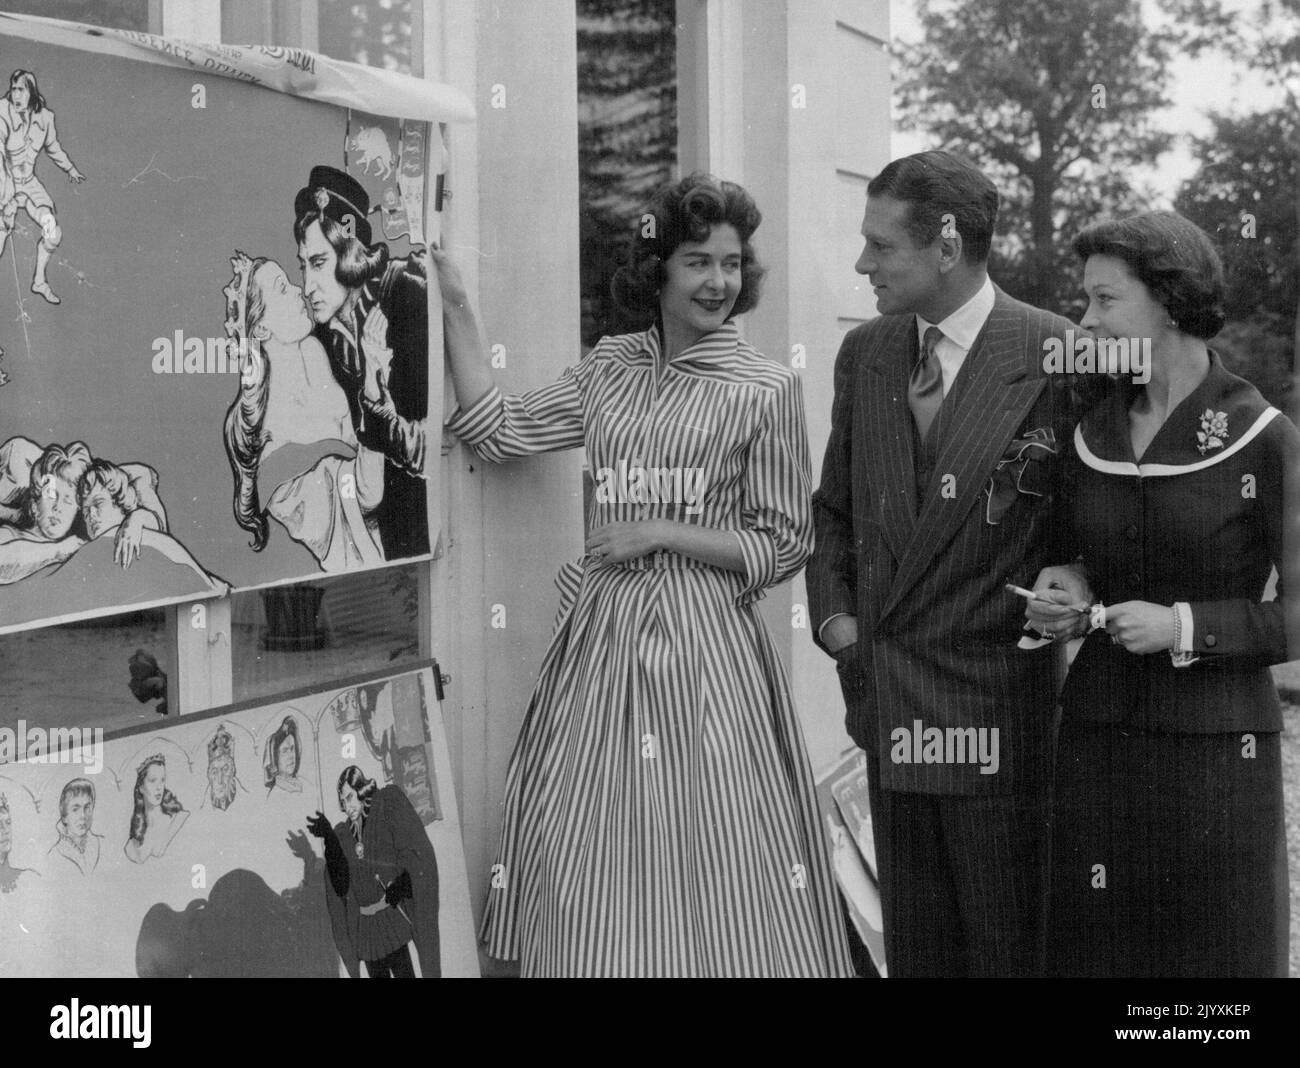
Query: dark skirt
x,y
1168,855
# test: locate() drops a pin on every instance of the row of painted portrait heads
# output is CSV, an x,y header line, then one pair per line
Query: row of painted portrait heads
x,y
283,752
914,203
355,790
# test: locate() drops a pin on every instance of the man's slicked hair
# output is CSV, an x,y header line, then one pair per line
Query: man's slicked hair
x,y
935,184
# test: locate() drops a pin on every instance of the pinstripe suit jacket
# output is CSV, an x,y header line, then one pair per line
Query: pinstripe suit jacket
x,y
937,632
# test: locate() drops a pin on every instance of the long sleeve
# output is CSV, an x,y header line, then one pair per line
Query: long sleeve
x,y
336,866
832,571
339,906
1239,626
403,439
53,147
416,857
500,427
777,535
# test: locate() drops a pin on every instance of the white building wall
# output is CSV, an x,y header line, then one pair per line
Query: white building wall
x,y
512,223
798,98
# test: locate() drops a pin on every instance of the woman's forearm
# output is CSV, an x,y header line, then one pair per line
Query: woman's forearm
x,y
471,377
370,478
721,548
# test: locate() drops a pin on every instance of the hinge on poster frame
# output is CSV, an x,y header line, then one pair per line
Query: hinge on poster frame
x,y
439,681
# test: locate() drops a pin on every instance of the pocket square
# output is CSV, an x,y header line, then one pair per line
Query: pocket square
x,y
1021,470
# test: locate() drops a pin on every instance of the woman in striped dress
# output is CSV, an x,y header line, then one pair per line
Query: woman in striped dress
x,y
659,809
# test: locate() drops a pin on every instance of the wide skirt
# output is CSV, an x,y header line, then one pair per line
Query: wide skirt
x,y
659,815
1168,854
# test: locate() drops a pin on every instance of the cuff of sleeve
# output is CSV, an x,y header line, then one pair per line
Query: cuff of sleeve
x,y
759,554
1182,654
1186,643
821,631
480,420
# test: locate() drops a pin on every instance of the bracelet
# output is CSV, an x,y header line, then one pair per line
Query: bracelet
x,y
1177,655
1097,617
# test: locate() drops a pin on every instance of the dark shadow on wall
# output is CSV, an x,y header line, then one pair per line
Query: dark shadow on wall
x,y
243,930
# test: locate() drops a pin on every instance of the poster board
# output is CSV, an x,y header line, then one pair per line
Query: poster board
x,y
192,400
846,820
195,856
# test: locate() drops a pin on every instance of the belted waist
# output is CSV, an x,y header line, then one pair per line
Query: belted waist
x,y
661,560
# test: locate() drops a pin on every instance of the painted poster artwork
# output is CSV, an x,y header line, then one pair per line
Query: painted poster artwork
x,y
298,838
214,368
842,798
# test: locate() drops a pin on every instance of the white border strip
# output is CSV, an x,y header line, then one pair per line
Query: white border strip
x,y
329,81
1123,467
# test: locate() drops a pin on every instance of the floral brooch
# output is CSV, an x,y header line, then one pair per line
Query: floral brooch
x,y
1214,428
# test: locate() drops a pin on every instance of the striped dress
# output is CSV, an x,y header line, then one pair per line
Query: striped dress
x,y
659,810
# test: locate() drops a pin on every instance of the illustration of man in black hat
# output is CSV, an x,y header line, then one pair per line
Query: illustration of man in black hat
x,y
372,320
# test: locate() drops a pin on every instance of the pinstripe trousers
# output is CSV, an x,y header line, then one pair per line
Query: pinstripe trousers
x,y
963,879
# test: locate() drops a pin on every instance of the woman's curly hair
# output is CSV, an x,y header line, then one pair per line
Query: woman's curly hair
x,y
686,211
1173,258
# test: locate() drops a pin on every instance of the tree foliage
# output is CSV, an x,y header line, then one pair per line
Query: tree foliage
x,y
1243,195
373,32
1054,101
627,135
1266,39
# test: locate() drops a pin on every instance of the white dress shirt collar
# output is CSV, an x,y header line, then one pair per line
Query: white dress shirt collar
x,y
960,329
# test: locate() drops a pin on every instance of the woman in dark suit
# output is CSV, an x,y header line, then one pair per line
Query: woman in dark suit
x,y
1168,851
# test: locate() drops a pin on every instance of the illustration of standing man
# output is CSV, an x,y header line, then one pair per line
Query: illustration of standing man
x,y
372,320
27,129
938,488
78,841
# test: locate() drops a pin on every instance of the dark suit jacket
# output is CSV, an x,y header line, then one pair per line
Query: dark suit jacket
x,y
400,293
937,631
1201,528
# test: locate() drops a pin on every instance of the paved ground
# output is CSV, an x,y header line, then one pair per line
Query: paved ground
x,y
1291,779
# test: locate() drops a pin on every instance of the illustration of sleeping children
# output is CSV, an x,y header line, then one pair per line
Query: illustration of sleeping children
x,y
70,500
40,506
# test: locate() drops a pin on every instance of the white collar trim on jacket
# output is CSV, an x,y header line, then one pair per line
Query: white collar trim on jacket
x,y
1123,467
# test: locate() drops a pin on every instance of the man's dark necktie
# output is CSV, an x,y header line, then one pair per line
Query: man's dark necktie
x,y
925,388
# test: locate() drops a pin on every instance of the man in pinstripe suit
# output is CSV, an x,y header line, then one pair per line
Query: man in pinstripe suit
x,y
937,489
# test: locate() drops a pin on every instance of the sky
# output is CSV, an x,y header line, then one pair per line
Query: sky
x,y
1196,88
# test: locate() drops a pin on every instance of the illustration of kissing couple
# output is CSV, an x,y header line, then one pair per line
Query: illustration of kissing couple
x,y
327,433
